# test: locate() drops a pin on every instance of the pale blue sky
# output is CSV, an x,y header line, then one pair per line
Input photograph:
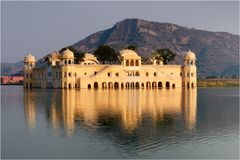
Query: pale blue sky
x,y
41,27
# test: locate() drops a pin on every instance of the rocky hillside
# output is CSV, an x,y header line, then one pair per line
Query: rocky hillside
x,y
8,69
217,52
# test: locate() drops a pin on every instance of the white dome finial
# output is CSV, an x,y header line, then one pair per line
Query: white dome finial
x,y
29,58
68,54
189,55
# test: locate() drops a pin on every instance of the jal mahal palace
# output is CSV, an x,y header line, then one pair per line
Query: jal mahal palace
x,y
58,70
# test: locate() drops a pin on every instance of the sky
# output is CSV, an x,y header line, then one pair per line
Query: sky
x,y
43,26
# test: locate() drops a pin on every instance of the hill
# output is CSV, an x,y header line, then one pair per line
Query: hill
x,y
217,52
8,69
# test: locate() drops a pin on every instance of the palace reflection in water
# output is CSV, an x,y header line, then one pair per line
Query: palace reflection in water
x,y
126,110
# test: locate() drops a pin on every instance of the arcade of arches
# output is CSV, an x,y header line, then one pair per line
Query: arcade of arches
x,y
117,85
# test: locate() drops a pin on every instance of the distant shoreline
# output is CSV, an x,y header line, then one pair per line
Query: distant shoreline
x,y
11,84
232,82
218,82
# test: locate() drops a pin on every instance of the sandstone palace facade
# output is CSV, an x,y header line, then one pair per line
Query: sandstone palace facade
x,y
59,71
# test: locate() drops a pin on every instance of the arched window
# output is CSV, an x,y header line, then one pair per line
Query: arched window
x,y
137,74
89,86
192,85
191,62
110,85
95,85
148,85
137,85
69,62
127,85
173,85
137,63
116,86
159,84
65,62
167,85
154,84
132,84
132,63
127,62
104,85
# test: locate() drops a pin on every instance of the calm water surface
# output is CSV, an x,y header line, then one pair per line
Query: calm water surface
x,y
160,123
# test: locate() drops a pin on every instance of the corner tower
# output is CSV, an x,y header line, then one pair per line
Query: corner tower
x,y
68,69
189,71
67,57
29,65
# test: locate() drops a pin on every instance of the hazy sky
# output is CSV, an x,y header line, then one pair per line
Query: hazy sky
x,y
41,27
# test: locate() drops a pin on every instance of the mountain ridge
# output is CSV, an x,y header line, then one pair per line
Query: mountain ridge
x,y
217,52
148,35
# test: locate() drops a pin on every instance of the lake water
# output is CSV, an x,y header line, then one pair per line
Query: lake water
x,y
159,123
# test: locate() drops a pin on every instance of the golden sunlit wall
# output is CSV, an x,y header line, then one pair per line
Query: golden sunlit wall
x,y
63,73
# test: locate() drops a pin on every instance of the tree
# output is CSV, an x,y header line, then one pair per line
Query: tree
x,y
78,57
105,54
132,47
156,56
166,54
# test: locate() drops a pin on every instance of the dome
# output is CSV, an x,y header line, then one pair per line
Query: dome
x,y
54,55
67,54
29,58
89,56
127,53
190,55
